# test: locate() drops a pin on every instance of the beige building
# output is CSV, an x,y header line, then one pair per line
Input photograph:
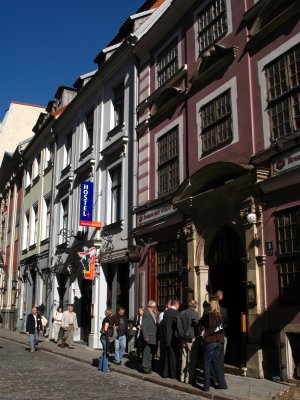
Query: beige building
x,y
17,125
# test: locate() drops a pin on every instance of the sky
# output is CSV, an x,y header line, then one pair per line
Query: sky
x,y
47,44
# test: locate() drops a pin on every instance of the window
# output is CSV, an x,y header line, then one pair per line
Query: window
x,y
212,24
36,167
69,149
64,220
167,63
116,188
283,86
119,104
28,175
49,155
89,125
26,233
168,162
17,225
288,253
35,225
216,123
168,276
46,218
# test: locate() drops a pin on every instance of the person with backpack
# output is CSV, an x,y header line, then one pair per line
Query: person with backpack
x,y
104,338
187,325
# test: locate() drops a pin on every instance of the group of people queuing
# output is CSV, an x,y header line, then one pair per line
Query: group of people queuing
x,y
175,336
64,325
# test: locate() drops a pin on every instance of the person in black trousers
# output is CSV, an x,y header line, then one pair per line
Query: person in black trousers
x,y
33,327
171,341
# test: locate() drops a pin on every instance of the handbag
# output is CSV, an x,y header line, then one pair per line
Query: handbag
x,y
112,333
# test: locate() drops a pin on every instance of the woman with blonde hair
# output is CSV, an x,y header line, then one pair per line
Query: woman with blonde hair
x,y
213,345
103,362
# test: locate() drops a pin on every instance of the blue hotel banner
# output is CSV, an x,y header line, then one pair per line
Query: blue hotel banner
x,y
86,205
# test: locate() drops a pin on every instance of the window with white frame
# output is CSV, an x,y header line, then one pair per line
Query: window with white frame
x,y
167,63
168,161
36,166
89,126
46,218
212,24
288,254
26,232
35,225
283,98
216,123
119,104
28,175
64,218
68,149
49,155
115,175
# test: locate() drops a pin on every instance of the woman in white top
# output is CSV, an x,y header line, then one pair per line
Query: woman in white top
x,y
57,323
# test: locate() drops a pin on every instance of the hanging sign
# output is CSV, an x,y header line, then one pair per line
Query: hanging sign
x,y
86,205
88,262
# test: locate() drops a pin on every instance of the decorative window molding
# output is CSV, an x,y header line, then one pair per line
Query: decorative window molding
x,y
213,61
273,15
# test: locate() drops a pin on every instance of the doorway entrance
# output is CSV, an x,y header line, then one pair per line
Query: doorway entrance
x,y
227,273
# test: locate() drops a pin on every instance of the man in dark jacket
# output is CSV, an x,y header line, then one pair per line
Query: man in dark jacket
x,y
33,327
187,324
149,331
171,340
121,323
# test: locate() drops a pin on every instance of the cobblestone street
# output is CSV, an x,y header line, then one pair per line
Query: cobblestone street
x,y
46,376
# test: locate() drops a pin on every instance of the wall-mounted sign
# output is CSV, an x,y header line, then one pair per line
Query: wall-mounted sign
x,y
88,262
86,205
286,161
269,248
156,213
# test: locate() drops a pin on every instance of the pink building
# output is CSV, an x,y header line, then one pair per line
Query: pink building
x,y
218,116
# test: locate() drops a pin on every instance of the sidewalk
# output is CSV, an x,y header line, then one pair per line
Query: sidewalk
x,y
239,388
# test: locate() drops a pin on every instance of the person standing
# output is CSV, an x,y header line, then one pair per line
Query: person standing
x,y
103,362
171,341
187,323
139,340
121,324
213,345
57,318
149,331
69,324
33,328
224,314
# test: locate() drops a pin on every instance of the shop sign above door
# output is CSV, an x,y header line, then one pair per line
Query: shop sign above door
x,y
286,161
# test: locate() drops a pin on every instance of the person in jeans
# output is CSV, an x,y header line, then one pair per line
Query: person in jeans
x,y
69,323
213,345
33,327
103,362
121,323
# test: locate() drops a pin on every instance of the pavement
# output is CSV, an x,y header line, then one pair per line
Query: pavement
x,y
239,387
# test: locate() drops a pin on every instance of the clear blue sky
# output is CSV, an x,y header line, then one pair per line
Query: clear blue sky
x,y
46,44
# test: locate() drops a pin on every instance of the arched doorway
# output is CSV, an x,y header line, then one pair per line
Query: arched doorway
x,y
227,273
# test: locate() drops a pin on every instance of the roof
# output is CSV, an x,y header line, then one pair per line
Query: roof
x,y
127,27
